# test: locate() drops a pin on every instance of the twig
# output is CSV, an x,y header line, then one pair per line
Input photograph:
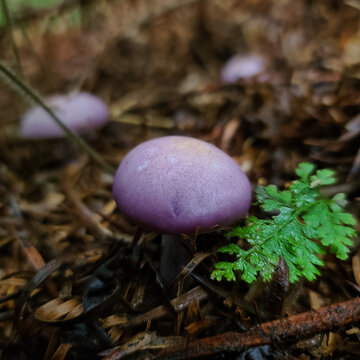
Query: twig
x,y
288,329
22,87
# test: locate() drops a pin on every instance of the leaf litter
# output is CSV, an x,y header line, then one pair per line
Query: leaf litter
x,y
158,65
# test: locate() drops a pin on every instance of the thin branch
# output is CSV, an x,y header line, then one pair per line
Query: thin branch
x,y
295,327
24,88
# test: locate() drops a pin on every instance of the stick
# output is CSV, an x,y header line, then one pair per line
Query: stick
x,y
295,327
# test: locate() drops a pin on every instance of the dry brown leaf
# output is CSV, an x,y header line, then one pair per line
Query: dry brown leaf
x,y
56,309
61,351
316,300
229,133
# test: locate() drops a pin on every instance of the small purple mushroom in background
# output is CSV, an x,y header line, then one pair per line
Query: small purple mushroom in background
x,y
181,185
81,112
242,67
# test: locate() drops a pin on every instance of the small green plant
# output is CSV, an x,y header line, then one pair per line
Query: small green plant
x,y
307,221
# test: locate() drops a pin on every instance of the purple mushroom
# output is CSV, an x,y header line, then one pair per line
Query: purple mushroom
x,y
242,67
180,185
177,184
81,112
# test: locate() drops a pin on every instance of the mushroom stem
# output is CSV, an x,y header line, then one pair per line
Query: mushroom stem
x,y
176,252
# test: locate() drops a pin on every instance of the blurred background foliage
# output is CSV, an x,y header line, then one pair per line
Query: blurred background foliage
x,y
21,7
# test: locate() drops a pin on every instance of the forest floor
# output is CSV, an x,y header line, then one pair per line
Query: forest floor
x,y
71,287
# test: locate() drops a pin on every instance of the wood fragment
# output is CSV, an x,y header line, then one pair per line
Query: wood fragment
x,y
287,329
142,341
197,327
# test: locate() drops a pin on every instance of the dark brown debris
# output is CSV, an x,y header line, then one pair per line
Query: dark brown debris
x,y
77,279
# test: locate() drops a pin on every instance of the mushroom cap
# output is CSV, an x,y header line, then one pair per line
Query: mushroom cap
x,y
81,112
178,184
242,67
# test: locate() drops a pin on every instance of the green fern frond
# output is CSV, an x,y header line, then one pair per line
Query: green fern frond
x,y
307,222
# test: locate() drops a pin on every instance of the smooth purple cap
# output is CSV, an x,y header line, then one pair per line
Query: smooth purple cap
x,y
81,112
178,184
242,67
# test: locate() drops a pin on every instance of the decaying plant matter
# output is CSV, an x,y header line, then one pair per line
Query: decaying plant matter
x,y
76,278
